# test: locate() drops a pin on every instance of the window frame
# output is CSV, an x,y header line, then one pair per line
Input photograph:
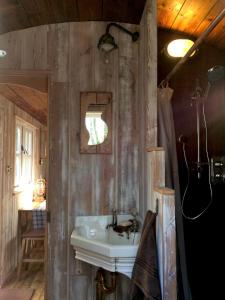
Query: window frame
x,y
25,127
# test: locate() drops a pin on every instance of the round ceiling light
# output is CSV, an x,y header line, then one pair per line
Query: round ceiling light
x,y
179,47
2,53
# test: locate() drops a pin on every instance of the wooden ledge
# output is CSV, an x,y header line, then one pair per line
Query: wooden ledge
x,y
151,149
164,191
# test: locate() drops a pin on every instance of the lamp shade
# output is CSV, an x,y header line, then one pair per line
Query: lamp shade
x,y
107,43
179,47
2,53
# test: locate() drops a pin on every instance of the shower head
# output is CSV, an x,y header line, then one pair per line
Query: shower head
x,y
215,73
182,139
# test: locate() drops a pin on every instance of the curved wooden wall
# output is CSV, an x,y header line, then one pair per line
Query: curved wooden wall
x,y
82,184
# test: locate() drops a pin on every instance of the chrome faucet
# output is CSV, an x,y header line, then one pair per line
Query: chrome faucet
x,y
114,220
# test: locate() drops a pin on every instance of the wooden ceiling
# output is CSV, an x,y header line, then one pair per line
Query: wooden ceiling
x,y
188,16
192,17
28,90
32,101
19,14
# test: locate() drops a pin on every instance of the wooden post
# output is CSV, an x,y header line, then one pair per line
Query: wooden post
x,y
166,242
155,173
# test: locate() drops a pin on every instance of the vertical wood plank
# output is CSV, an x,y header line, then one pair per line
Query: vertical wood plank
x,y
166,242
81,187
151,73
86,184
155,174
128,193
58,192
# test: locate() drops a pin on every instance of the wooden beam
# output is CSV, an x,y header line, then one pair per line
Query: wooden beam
x,y
166,241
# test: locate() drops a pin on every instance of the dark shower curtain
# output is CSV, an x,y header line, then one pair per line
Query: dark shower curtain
x,y
167,140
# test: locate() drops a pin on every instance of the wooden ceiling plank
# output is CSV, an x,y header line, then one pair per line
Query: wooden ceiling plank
x,y
126,11
212,14
62,11
8,4
111,9
37,100
192,14
71,10
167,11
90,10
13,18
12,96
33,12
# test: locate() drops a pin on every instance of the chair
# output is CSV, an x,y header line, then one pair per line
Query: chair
x,y
30,240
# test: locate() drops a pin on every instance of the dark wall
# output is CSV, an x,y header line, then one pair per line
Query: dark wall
x,y
202,235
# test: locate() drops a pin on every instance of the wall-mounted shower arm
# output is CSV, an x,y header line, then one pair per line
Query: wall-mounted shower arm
x,y
197,97
214,23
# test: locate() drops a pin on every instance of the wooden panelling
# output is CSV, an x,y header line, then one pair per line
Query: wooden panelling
x,y
30,100
9,202
15,15
101,101
192,17
155,174
130,11
34,80
7,205
167,11
89,10
188,16
147,94
81,184
166,242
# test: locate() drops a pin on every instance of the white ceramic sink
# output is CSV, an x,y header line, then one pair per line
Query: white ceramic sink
x,y
102,247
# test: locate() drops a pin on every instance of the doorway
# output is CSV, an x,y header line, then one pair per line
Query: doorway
x,y
23,178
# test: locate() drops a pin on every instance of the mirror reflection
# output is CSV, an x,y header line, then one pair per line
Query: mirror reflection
x,y
97,128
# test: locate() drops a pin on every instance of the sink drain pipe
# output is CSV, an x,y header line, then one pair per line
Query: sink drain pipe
x,y
101,288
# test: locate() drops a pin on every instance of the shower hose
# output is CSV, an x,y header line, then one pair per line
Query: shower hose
x,y
184,198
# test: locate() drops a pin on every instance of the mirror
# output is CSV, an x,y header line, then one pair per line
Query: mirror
x,y
96,127
96,122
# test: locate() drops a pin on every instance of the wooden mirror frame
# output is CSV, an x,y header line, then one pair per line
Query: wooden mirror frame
x,y
104,99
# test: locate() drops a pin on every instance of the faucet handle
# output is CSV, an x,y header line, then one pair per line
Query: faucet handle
x,y
134,212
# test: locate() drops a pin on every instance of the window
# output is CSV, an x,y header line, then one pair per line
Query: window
x,y
24,153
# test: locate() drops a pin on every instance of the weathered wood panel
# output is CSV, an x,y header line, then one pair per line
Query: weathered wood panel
x,y
155,174
7,208
15,15
10,202
147,77
30,100
81,184
166,242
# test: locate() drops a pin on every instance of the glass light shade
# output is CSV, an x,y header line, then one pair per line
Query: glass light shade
x,y
179,47
2,53
107,43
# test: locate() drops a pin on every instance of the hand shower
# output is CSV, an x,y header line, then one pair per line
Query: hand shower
x,y
214,74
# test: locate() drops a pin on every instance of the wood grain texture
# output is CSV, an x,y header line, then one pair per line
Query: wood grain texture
x,y
32,277
155,175
10,202
147,94
166,242
101,101
30,100
8,231
15,15
192,18
83,184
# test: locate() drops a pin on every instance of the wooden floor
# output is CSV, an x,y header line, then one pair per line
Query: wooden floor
x,y
33,278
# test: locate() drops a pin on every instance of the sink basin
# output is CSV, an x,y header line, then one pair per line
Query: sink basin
x,y
102,247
